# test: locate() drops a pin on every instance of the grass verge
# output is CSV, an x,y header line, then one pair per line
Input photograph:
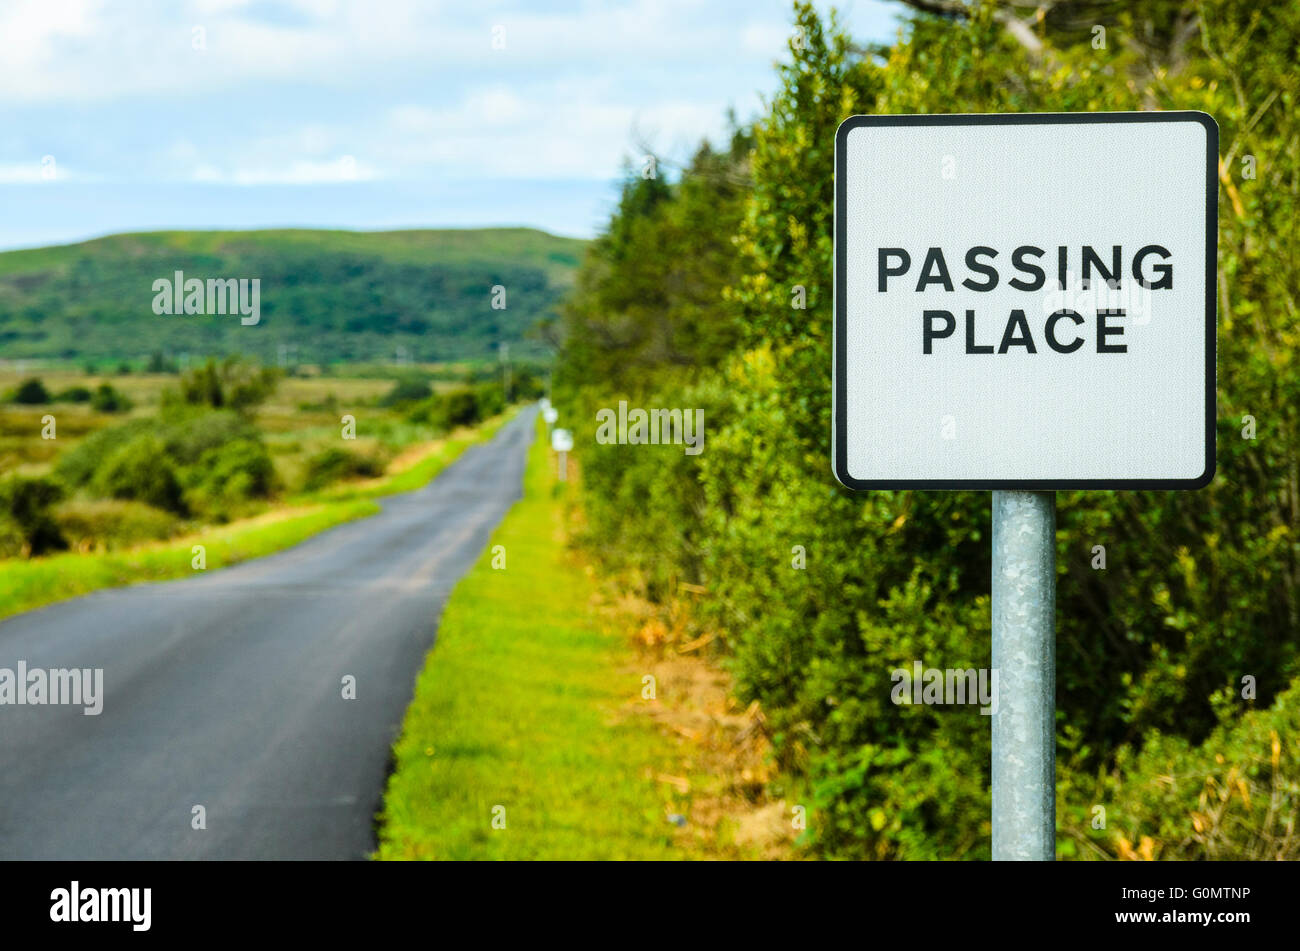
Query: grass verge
x,y
520,716
31,583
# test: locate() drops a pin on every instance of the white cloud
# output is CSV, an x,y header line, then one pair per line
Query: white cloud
x,y
282,92
92,51
336,171
556,130
25,173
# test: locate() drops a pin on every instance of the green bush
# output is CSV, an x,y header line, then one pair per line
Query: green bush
x,y
463,405
25,508
141,470
31,392
231,383
409,390
13,544
74,394
216,455
229,476
184,432
1234,796
334,464
77,466
1200,588
457,407
188,433
490,400
113,523
108,400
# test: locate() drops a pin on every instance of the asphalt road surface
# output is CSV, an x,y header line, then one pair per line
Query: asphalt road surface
x,y
225,690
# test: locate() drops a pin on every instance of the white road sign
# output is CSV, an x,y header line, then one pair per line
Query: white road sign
x,y
561,440
550,414
1025,301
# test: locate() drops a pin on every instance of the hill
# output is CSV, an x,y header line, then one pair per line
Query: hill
x,y
335,295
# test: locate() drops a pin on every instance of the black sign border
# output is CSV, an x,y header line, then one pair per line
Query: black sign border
x,y
839,422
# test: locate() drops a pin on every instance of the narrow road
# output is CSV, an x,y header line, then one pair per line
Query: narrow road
x,y
226,690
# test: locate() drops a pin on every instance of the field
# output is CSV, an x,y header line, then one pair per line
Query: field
x,y
30,583
301,416
238,459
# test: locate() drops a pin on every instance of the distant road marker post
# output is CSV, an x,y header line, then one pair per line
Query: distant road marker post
x,y
562,443
1025,304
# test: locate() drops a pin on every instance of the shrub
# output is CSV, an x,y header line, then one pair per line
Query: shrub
x,y
31,392
227,477
74,394
331,465
77,466
491,400
12,542
233,384
113,523
462,406
187,433
410,390
108,400
1232,797
190,446
141,470
25,505
1201,586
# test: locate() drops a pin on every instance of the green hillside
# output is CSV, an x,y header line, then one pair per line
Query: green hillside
x,y
335,295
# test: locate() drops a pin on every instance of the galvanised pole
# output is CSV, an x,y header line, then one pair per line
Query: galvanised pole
x,y
1024,655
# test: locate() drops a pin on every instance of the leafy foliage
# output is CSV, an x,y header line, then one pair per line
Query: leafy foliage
x,y
461,406
90,524
31,392
232,382
332,464
1200,589
140,470
105,399
27,524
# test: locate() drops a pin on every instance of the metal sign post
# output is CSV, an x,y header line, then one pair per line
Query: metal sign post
x,y
1025,304
1024,655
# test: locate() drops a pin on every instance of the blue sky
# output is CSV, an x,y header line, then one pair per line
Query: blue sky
x,y
363,113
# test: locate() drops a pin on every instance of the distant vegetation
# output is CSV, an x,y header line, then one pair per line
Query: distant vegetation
x,y
211,444
326,296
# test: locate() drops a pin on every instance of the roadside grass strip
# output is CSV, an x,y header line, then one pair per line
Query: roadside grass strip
x,y
517,744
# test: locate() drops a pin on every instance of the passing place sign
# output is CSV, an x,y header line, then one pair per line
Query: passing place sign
x,y
1025,301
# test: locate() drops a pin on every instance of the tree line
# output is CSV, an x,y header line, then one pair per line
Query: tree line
x,y
1178,708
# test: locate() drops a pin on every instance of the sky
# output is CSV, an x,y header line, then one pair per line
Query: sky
x,y
365,114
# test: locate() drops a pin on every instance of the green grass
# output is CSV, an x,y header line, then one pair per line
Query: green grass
x,y
519,706
422,471
26,584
